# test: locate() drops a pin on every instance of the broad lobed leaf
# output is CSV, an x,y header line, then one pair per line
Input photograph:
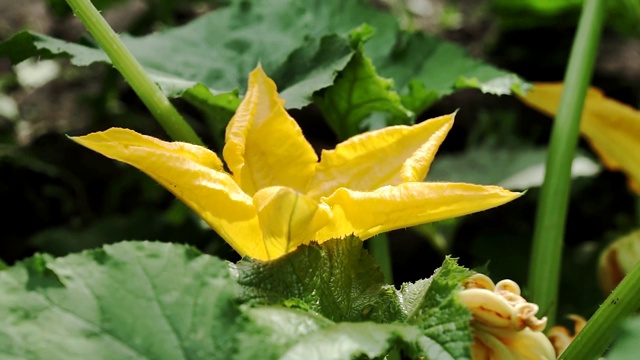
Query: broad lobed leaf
x,y
365,339
293,334
126,301
304,45
245,33
145,300
357,96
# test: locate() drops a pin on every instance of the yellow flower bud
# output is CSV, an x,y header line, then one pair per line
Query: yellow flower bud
x,y
504,323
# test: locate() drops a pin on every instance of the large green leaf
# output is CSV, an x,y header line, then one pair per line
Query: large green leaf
x,y
126,301
143,300
271,330
285,333
294,40
423,68
426,68
337,279
218,51
353,340
310,68
358,95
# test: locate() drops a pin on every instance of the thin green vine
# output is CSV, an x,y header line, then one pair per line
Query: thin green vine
x,y
150,94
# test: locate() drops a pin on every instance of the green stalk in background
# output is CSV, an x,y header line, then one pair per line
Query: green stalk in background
x,y
600,330
544,270
379,248
130,68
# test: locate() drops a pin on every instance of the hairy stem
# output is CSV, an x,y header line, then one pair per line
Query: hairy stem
x,y
150,94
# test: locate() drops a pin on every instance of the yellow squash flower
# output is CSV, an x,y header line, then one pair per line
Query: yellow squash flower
x,y
505,326
276,195
612,128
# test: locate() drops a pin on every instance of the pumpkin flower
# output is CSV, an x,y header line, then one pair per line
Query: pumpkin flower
x,y
504,323
612,128
276,195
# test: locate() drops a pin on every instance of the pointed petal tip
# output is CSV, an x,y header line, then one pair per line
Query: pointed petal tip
x,y
447,118
258,71
110,135
507,194
444,122
260,81
264,145
124,145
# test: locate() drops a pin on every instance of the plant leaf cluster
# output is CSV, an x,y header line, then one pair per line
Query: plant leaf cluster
x,y
148,300
307,46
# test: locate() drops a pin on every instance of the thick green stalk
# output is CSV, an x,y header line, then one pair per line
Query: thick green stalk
x,y
544,270
130,68
600,330
379,248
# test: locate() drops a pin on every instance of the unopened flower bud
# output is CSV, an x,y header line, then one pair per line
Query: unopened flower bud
x,y
504,323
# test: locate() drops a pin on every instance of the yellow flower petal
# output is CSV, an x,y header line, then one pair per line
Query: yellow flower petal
x,y
479,281
125,139
366,214
487,307
192,174
529,345
287,219
388,156
487,347
612,128
525,344
264,145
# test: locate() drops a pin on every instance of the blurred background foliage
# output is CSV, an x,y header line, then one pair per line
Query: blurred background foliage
x,y
60,198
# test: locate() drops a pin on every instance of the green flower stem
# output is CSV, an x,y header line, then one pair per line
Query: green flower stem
x,y
551,214
379,248
130,68
601,329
